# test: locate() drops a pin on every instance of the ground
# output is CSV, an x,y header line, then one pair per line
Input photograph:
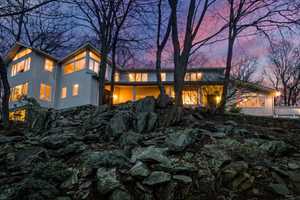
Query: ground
x,y
141,151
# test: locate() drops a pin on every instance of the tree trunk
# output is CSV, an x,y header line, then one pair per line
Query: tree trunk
x,y
6,92
158,74
227,74
112,79
178,85
102,73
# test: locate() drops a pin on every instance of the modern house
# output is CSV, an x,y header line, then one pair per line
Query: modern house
x,y
72,81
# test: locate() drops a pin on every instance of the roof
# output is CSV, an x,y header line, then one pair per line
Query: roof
x,y
254,86
14,50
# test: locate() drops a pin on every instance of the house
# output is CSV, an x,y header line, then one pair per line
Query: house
x,y
72,81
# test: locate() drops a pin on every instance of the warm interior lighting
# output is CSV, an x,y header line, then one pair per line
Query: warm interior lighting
x,y
115,97
18,115
49,65
22,54
193,76
75,64
94,56
190,97
20,67
117,77
163,76
64,92
18,92
75,90
45,92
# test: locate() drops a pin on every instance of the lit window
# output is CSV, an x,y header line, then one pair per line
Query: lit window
x,y
132,77
94,56
163,76
18,92
49,65
75,90
194,76
63,92
45,92
18,115
75,64
22,54
251,100
138,77
94,66
117,77
20,67
190,97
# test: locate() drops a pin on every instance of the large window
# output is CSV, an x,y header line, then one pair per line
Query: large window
x,y
190,97
18,115
45,92
75,64
22,54
193,76
75,90
251,100
49,65
138,77
117,77
64,92
18,92
20,67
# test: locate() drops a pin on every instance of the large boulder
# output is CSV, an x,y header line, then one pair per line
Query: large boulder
x,y
56,141
150,154
139,170
146,121
180,140
120,123
146,104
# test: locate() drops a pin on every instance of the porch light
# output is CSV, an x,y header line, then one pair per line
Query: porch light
x,y
277,93
218,99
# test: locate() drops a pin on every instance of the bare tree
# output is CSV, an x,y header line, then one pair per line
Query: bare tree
x,y
106,19
285,72
7,9
196,14
255,16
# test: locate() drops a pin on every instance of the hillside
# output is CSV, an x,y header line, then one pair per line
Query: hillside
x,y
138,151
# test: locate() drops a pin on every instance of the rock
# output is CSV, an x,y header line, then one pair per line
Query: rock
x,y
145,105
157,177
120,123
9,140
63,198
139,170
56,141
231,123
150,154
180,140
120,195
72,180
146,121
275,147
98,159
279,189
130,139
107,180
183,179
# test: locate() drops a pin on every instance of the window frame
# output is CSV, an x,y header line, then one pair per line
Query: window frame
x,y
24,91
47,60
64,93
44,92
74,62
75,87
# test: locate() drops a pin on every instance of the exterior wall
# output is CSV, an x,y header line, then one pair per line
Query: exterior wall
x,y
287,112
267,110
35,76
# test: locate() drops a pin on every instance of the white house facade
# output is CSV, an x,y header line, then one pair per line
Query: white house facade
x,y
72,81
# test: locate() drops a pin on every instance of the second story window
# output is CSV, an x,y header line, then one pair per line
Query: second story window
x,y
49,65
138,77
94,61
18,92
193,76
163,76
75,64
22,54
64,92
20,67
45,92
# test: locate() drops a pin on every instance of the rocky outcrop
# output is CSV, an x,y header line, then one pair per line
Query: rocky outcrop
x,y
145,151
